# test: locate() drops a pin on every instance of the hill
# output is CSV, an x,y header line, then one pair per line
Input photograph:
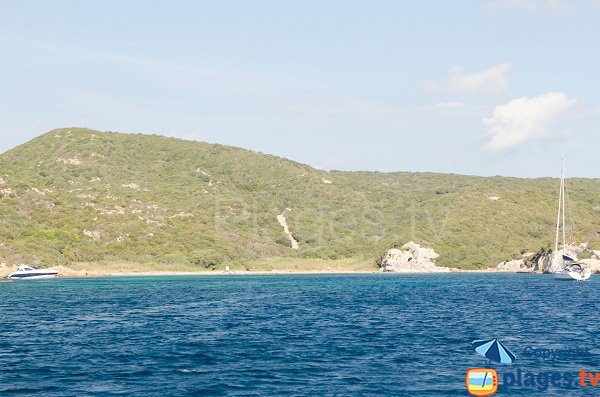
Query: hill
x,y
77,196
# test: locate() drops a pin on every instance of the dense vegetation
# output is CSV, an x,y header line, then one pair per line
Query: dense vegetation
x,y
78,195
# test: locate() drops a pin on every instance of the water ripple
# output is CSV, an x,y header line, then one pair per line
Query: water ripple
x,y
367,335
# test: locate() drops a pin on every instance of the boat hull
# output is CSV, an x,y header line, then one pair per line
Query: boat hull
x,y
566,275
31,276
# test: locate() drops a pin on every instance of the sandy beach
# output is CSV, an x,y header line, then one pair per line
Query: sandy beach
x,y
68,272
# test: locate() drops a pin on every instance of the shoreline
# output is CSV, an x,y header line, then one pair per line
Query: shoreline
x,y
129,270
262,273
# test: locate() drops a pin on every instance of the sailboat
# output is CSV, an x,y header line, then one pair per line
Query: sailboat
x,y
567,267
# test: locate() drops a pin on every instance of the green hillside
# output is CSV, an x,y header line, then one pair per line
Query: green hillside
x,y
77,195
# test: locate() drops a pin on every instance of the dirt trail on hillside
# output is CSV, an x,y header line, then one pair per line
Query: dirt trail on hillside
x,y
283,222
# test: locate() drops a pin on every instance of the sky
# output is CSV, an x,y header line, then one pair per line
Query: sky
x,y
488,87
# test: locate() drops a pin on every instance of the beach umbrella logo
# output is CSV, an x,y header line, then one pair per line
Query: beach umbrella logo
x,y
494,350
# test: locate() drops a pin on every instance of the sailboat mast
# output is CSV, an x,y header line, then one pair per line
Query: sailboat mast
x,y
564,225
560,197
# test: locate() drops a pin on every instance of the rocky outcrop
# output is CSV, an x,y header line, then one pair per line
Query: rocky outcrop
x,y
541,262
412,258
577,249
514,266
546,261
555,262
593,264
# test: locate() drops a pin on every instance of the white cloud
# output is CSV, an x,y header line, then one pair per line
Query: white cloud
x,y
450,105
531,6
525,119
487,82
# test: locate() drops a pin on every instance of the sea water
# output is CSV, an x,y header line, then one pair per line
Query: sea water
x,y
289,335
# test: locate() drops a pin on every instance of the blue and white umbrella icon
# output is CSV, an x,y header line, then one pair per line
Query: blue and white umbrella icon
x,y
494,350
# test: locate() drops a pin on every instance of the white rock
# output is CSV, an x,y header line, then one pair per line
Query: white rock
x,y
41,192
551,262
577,249
517,265
412,258
93,234
6,192
592,264
494,198
182,215
71,161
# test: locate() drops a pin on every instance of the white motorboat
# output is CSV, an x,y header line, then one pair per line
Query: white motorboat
x,y
566,266
25,272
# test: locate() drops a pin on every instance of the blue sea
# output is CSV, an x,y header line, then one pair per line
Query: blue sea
x,y
291,335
